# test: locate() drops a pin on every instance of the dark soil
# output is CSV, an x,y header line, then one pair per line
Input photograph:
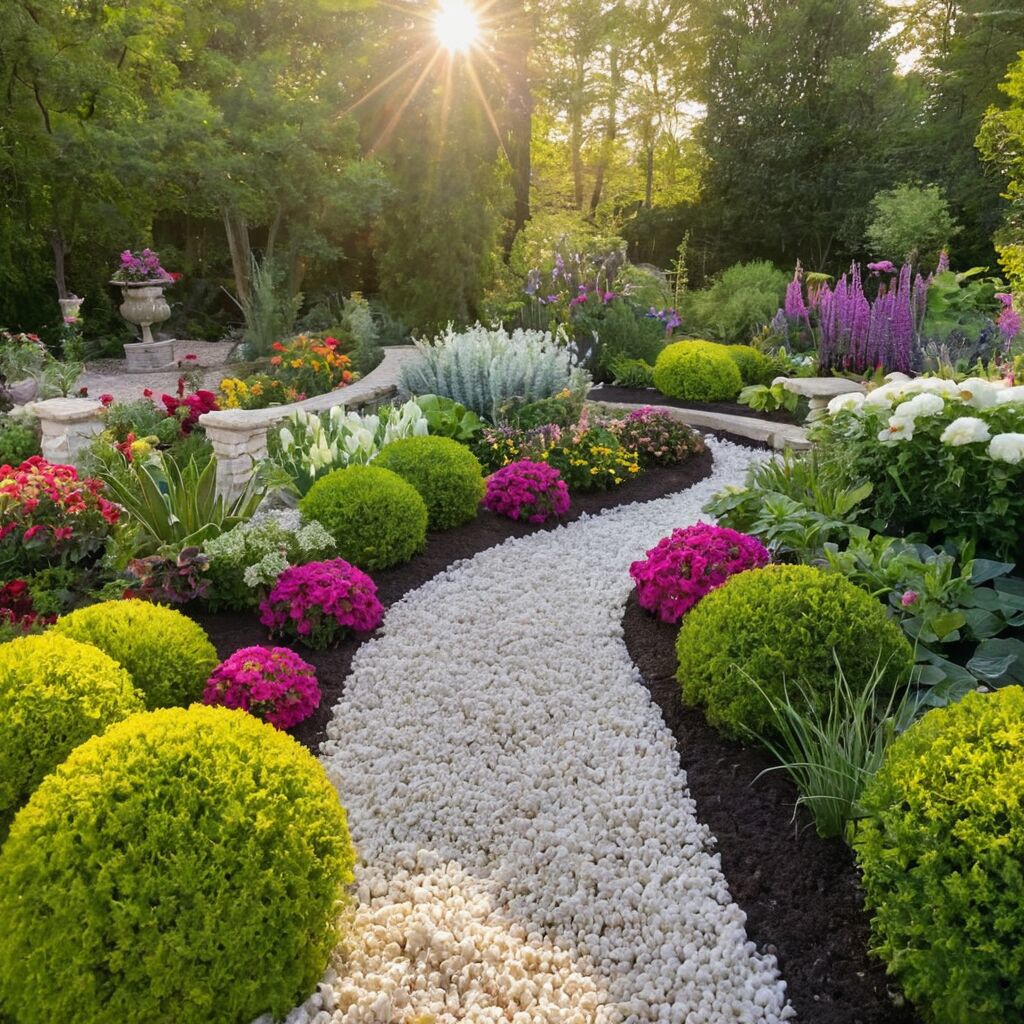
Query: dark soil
x,y
231,630
801,893
651,396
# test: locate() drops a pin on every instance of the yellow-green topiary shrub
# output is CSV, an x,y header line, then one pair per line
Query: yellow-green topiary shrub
x,y
446,474
168,656
375,517
942,856
779,625
697,371
54,694
187,866
754,366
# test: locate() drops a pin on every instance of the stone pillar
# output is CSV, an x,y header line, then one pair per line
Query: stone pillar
x,y
239,440
68,425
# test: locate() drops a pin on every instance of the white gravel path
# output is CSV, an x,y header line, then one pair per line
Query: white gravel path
x,y
530,850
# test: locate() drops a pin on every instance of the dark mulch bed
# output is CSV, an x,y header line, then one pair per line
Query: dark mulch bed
x,y
651,396
232,630
801,893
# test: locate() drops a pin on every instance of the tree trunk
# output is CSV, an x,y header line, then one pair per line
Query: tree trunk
x,y
236,228
576,136
610,132
649,176
59,260
519,119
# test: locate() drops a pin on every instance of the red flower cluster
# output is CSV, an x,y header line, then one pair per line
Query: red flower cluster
x,y
48,515
17,609
188,408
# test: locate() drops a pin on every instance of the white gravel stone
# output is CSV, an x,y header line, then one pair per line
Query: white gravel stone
x,y
529,848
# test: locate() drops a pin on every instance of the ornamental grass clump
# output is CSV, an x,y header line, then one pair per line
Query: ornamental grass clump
x,y
446,474
779,627
681,568
376,519
167,654
530,491
187,866
941,852
272,683
321,602
54,694
657,438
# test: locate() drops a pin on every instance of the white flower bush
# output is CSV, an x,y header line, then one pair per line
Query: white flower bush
x,y
944,458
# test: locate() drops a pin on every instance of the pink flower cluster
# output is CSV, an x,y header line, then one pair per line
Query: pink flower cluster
x,y
142,266
533,491
319,602
656,437
272,683
680,569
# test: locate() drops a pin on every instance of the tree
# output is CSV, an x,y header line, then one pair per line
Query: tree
x,y
1001,144
910,221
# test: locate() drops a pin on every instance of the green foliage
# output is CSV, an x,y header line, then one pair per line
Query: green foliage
x,y
755,367
940,856
563,410
831,752
632,373
358,319
769,398
783,626
446,418
964,302
19,440
270,310
645,287
616,330
697,371
793,505
910,222
177,505
446,474
376,518
187,865
739,303
168,656
592,460
54,694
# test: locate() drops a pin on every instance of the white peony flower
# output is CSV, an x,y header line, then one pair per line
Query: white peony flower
x,y
841,403
896,378
1007,448
900,429
1010,396
977,392
882,396
965,430
923,404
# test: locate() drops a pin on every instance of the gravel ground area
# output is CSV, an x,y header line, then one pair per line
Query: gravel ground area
x,y
530,851
110,377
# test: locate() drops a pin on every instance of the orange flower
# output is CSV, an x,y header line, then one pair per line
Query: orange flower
x,y
275,361
277,346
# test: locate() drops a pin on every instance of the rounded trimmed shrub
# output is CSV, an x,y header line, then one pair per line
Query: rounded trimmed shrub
x,y
942,857
697,371
447,475
168,656
754,366
55,693
780,625
187,865
375,517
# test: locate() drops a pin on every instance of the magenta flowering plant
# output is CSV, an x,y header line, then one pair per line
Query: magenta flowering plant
x,y
272,683
533,491
319,602
141,267
681,568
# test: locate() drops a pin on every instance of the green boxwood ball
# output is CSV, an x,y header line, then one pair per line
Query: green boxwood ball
x,y
447,475
754,366
55,693
186,866
168,656
942,857
376,518
697,371
777,626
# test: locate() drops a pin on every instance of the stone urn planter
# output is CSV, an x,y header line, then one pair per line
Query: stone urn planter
x,y
144,305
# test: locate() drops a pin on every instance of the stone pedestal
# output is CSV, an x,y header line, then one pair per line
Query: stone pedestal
x,y
67,425
147,356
